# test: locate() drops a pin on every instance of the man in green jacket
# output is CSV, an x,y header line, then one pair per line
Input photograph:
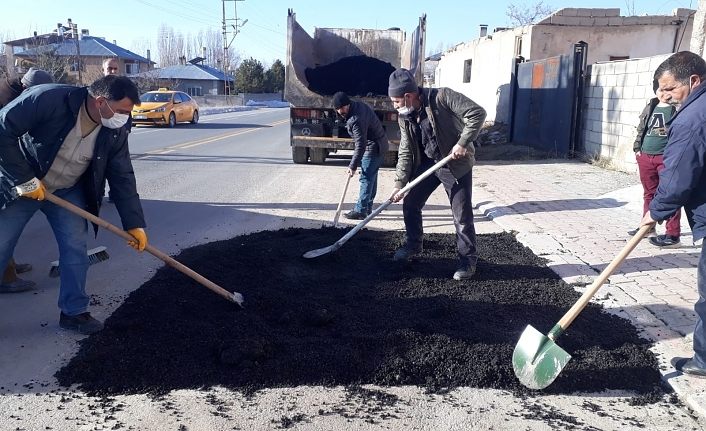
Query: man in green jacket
x,y
433,124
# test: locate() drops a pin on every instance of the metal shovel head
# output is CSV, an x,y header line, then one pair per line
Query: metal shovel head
x,y
321,251
537,360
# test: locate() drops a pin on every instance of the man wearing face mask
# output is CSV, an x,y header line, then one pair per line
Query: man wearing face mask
x,y
434,123
371,144
69,141
682,182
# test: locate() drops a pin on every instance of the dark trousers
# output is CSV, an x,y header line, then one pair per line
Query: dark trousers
x,y
650,165
459,193
700,309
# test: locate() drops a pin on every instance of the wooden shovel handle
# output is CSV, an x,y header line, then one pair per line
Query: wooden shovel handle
x,y
340,202
152,250
598,282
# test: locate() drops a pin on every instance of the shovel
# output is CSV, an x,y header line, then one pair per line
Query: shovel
x,y
231,296
537,359
338,244
340,202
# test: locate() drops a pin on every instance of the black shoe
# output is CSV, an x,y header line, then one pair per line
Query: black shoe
x,y
665,241
464,272
354,215
688,366
634,231
405,252
19,285
82,323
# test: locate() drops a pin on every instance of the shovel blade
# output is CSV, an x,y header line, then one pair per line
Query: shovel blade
x,y
319,252
537,360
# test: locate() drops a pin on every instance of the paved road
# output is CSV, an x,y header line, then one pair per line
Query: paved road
x,y
229,175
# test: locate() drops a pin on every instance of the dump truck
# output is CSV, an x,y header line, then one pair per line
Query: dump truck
x,y
354,60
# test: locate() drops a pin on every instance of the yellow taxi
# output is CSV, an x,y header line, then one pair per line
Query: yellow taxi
x,y
165,107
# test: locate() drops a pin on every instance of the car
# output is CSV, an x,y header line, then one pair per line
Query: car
x,y
165,107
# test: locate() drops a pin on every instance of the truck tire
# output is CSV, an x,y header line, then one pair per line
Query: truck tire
x,y
299,155
317,155
390,159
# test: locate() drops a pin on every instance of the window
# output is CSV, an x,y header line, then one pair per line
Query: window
x,y
619,57
518,46
194,91
467,65
132,68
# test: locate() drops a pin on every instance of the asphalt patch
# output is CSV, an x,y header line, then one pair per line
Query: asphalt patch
x,y
352,317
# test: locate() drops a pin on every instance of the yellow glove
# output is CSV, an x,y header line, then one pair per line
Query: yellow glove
x,y
32,189
140,241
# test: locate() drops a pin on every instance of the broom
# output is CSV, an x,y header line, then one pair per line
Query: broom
x,y
95,255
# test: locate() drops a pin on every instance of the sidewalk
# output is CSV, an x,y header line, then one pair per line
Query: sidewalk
x,y
577,215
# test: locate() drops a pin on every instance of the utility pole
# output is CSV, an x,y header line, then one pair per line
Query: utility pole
x,y
238,24
73,30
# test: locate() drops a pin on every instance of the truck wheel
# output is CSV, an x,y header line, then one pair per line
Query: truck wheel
x,y
390,159
317,155
299,154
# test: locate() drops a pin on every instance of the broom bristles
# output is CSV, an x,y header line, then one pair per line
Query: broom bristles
x,y
95,255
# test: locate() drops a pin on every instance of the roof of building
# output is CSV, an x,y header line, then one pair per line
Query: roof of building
x,y
189,71
89,46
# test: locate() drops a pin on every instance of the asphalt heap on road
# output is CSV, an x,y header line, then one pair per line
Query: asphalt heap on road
x,y
352,317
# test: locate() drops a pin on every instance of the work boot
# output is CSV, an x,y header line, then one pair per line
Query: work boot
x,y
665,241
19,285
82,323
405,252
464,271
354,215
688,366
634,231
23,267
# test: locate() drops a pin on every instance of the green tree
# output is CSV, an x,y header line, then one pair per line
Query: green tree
x,y
274,78
250,76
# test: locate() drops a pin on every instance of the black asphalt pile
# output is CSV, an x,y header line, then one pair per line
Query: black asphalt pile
x,y
358,75
353,317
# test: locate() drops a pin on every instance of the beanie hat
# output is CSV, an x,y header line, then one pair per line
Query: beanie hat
x,y
340,99
401,82
36,76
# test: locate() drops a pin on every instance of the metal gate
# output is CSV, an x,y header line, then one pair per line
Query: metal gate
x,y
546,106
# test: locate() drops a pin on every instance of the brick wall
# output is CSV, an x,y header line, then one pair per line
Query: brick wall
x,y
616,95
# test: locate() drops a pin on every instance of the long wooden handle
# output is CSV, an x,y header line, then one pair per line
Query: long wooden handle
x,y
340,202
598,282
233,297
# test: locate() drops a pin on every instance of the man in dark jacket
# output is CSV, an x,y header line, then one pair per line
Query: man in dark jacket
x,y
370,147
10,88
682,182
434,123
68,140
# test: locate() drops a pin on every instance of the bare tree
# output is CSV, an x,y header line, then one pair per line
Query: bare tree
x,y
141,46
56,65
630,8
521,15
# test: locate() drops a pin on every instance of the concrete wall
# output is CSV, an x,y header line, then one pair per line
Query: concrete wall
x,y
492,66
617,94
606,32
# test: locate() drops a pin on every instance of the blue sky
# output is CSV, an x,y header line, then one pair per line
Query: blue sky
x,y
263,36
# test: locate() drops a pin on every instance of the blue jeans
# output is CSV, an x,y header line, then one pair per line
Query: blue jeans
x,y
700,308
70,231
369,167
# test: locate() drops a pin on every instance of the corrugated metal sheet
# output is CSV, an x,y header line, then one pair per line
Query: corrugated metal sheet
x,y
190,71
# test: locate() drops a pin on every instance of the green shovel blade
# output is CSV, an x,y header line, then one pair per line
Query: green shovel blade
x,y
537,360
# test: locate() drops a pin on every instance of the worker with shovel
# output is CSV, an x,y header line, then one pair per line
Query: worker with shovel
x,y
682,182
370,147
435,123
68,140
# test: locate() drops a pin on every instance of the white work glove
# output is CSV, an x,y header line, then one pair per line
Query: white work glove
x,y
32,189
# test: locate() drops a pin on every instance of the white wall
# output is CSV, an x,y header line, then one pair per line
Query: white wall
x,y
492,66
617,94
634,41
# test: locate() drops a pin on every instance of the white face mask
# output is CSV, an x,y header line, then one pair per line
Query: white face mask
x,y
405,111
116,121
